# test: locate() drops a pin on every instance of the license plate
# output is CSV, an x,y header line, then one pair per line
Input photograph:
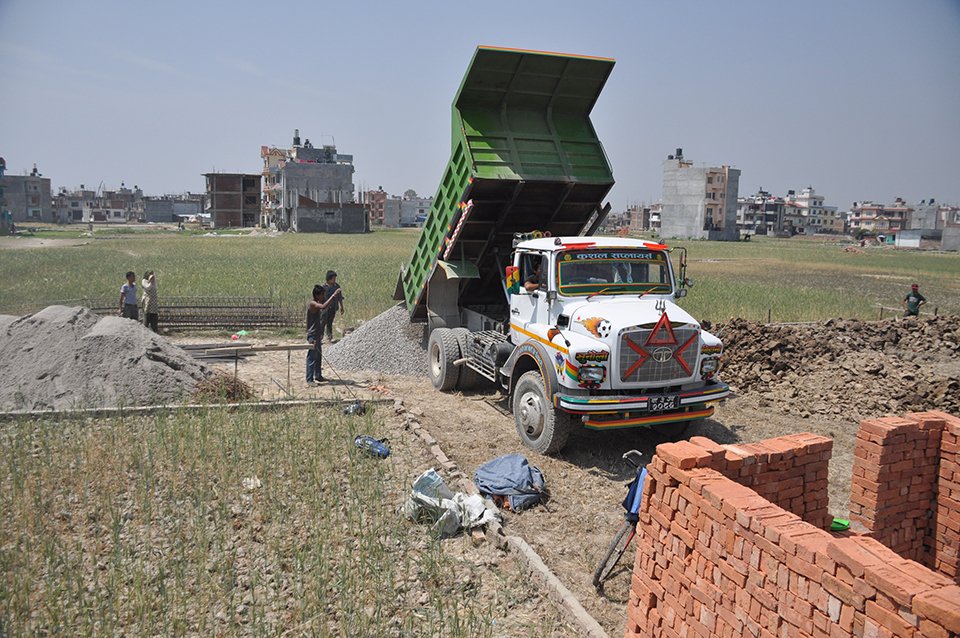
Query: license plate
x,y
659,404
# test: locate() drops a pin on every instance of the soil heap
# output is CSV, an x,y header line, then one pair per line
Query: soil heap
x,y
388,343
61,358
858,368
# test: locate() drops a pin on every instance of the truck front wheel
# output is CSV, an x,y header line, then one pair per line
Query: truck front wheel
x,y
540,425
442,350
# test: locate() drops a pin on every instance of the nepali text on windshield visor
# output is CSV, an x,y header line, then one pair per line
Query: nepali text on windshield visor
x,y
613,272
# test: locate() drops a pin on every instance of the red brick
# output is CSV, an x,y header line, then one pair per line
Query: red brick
x,y
942,606
893,580
888,619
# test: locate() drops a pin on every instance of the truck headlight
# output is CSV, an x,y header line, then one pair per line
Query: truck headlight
x,y
709,366
592,373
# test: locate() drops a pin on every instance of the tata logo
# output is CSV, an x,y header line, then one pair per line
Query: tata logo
x,y
662,355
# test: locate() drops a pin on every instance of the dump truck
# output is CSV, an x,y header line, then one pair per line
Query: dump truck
x,y
578,330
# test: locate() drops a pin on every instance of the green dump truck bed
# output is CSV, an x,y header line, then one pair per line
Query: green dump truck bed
x,y
524,157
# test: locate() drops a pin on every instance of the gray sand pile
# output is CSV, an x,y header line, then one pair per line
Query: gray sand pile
x,y
61,358
388,343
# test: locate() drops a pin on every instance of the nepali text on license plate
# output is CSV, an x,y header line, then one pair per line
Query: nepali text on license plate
x,y
658,404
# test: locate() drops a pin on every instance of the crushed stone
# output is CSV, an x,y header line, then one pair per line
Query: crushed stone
x,y
63,358
389,343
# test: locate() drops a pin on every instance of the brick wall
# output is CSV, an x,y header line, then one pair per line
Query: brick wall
x,y
716,557
906,487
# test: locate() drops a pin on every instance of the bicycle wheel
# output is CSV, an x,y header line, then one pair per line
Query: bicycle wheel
x,y
614,553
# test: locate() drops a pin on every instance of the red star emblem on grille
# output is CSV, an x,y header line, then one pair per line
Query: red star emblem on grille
x,y
662,334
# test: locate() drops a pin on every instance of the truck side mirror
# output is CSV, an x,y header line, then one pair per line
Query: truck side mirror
x,y
551,295
682,292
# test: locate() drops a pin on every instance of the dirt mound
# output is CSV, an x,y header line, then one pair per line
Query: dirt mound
x,y
388,343
63,358
858,368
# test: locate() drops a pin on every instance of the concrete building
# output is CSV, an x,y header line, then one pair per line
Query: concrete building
x,y
699,201
406,212
306,174
806,214
313,217
167,209
233,199
760,214
27,197
925,216
880,219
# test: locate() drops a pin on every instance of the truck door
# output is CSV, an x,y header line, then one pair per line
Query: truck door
x,y
529,306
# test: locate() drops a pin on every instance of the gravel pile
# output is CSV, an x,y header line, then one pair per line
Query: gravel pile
x,y
862,369
61,358
388,343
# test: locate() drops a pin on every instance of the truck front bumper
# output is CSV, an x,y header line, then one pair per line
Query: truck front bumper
x,y
612,411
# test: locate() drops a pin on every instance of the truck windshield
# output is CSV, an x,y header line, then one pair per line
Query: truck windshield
x,y
613,271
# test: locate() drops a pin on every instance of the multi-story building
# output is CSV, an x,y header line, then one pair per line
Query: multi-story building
x,y
880,218
233,199
761,214
376,204
305,177
699,201
28,197
806,214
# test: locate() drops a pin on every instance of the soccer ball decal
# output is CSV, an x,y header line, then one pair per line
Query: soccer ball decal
x,y
597,327
604,329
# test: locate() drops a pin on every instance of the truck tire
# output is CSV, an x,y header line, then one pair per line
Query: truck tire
x,y
442,350
540,426
469,379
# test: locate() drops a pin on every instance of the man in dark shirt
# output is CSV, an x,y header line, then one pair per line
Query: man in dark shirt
x,y
913,301
330,289
315,333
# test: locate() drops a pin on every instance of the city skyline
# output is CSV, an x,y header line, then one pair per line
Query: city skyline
x,y
858,100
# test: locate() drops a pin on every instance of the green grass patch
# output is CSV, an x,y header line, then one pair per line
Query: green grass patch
x,y
792,279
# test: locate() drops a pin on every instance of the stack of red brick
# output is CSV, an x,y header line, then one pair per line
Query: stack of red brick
x,y
906,487
718,558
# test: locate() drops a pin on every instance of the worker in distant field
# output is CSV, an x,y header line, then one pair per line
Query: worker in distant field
x,y
913,301
330,289
315,312
128,298
151,305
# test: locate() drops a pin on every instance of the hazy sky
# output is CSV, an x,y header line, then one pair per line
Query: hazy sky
x,y
860,99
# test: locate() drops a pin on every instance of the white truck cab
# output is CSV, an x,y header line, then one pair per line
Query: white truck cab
x,y
594,338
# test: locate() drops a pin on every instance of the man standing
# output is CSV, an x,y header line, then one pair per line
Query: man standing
x,y
128,298
315,333
151,305
913,301
330,289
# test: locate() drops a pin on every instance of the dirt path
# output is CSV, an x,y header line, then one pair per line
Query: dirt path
x,y
586,481
15,243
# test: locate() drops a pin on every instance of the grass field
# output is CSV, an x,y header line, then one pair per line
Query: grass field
x,y
152,526
793,279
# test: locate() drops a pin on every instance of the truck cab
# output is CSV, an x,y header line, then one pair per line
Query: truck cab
x,y
603,332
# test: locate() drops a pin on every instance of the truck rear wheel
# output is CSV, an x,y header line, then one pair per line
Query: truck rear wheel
x,y
442,350
469,379
540,425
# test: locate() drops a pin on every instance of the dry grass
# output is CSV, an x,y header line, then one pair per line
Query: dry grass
x,y
148,527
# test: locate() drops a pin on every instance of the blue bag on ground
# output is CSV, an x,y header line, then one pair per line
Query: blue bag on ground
x,y
513,477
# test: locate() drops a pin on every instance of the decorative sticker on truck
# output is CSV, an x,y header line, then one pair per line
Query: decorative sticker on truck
x,y
571,370
597,326
592,355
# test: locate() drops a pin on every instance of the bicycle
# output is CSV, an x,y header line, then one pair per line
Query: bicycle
x,y
631,505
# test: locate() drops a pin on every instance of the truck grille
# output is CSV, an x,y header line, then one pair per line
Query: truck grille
x,y
656,364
